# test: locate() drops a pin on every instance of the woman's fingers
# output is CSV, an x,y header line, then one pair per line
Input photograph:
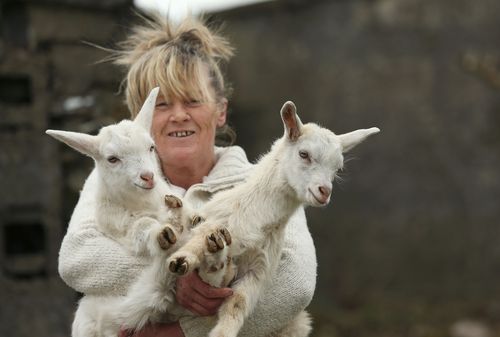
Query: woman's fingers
x,y
206,290
199,297
198,304
203,309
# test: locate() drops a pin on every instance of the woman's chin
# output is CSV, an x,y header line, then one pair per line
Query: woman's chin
x,y
185,155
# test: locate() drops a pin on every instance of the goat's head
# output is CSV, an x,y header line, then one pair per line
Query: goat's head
x,y
124,153
314,155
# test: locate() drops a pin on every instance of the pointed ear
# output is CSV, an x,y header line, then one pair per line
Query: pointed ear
x,y
351,139
291,121
86,144
145,117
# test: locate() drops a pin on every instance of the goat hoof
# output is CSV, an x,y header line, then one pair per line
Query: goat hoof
x,y
179,266
218,240
167,238
212,245
227,236
172,201
195,220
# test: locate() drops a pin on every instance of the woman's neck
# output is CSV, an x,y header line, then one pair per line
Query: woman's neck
x,y
192,172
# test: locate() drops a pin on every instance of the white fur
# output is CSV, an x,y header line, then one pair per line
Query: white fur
x,y
298,170
131,210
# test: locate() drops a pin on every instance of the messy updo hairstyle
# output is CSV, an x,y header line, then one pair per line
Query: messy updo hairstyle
x,y
177,58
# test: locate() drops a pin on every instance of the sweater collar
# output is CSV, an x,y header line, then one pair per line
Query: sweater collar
x,y
229,161
231,167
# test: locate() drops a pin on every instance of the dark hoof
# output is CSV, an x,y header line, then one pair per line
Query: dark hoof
x,y
218,240
179,266
172,201
227,236
195,220
167,238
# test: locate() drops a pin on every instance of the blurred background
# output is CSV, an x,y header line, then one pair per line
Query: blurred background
x,y
410,245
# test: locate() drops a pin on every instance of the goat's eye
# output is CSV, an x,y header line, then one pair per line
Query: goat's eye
x,y
304,154
113,159
152,148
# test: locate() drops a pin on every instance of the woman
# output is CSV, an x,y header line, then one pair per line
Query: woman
x,y
185,62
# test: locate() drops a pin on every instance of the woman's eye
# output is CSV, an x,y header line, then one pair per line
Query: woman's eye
x,y
152,148
193,103
162,104
113,159
304,154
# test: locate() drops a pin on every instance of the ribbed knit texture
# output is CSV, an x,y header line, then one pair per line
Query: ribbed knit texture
x,y
92,263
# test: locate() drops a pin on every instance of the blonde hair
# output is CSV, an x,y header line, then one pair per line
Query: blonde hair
x,y
177,58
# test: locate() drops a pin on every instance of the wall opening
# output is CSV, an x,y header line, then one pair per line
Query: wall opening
x,y
14,24
23,244
15,89
23,239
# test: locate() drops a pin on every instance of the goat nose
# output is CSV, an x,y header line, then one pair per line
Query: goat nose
x,y
147,176
325,191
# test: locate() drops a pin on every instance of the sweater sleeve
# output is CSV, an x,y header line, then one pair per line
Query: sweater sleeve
x,y
90,262
290,292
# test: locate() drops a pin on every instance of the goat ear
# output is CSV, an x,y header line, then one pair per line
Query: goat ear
x,y
351,139
291,121
82,142
145,116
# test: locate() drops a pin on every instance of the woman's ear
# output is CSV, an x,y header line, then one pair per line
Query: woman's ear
x,y
221,112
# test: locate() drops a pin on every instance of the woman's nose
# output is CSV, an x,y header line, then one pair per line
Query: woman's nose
x,y
179,113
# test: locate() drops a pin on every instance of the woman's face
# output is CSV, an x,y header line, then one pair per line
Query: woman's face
x,y
184,132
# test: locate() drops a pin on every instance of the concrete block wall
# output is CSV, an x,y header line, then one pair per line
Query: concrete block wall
x,y
48,79
409,244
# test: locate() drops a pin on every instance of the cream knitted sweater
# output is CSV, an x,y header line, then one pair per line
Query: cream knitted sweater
x,y
92,263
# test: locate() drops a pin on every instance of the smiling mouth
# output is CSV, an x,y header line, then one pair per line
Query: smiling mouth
x,y
181,134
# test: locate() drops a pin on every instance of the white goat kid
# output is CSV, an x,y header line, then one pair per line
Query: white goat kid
x,y
130,199
298,170
130,194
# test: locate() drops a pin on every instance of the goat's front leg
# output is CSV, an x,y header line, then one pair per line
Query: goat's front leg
x,y
204,241
238,307
150,237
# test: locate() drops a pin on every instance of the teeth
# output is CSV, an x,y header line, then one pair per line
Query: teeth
x,y
181,133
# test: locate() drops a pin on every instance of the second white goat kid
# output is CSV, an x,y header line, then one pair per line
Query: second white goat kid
x,y
131,208
298,170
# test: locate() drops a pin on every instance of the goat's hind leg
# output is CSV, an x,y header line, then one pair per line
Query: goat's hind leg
x,y
84,323
236,308
300,326
95,317
232,315
151,295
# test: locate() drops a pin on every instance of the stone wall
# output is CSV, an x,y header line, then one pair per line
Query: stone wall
x,y
48,79
410,242
408,246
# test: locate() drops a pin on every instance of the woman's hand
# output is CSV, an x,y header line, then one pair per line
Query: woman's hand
x,y
156,330
199,297
194,295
